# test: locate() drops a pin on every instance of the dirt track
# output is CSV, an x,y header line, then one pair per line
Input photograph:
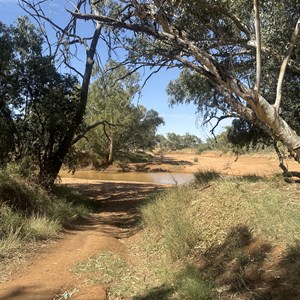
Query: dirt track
x,y
47,276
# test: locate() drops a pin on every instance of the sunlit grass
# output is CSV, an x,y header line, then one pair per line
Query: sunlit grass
x,y
166,215
41,228
191,284
10,243
28,213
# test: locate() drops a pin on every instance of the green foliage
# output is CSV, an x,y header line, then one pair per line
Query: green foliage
x,y
241,137
203,147
190,87
136,157
177,142
191,284
221,142
243,134
37,104
125,126
210,21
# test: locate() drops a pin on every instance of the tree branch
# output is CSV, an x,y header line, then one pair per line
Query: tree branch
x,y
90,127
268,50
219,119
284,65
236,20
258,44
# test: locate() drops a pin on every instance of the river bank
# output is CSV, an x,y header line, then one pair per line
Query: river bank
x,y
177,168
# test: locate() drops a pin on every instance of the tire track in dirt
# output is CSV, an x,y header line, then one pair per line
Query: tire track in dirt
x,y
48,274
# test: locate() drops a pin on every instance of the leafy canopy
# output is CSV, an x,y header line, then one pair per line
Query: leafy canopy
x,y
124,126
37,104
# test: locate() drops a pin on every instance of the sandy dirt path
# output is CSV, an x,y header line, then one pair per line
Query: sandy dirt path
x,y
48,275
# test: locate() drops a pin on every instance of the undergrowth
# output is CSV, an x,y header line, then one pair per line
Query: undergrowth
x,y
28,213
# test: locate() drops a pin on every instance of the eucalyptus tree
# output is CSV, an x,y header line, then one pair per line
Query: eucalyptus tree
x,y
142,132
124,126
226,47
177,141
60,52
110,100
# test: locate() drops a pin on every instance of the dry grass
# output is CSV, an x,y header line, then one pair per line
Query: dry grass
x,y
269,207
29,214
110,269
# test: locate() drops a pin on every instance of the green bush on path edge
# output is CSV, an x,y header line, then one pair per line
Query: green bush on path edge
x,y
30,214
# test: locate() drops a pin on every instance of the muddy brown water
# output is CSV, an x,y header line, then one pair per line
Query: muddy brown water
x,y
152,177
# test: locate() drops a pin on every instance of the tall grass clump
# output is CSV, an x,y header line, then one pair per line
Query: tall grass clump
x,y
168,219
29,213
167,216
191,284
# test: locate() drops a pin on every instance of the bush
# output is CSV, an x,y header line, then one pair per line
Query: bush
x,y
203,147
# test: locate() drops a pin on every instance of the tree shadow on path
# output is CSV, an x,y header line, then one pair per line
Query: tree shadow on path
x,y
116,205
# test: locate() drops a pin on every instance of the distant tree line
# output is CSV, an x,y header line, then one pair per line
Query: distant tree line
x,y
175,141
124,126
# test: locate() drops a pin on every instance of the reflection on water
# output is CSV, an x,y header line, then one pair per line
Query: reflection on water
x,y
162,178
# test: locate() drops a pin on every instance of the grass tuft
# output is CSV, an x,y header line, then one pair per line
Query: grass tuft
x,y
191,284
29,213
41,228
166,216
9,243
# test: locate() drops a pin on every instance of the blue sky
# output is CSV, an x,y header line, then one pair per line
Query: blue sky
x,y
179,119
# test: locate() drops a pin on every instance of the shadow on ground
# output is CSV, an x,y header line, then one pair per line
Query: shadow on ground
x,y
251,268
162,293
245,268
116,205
